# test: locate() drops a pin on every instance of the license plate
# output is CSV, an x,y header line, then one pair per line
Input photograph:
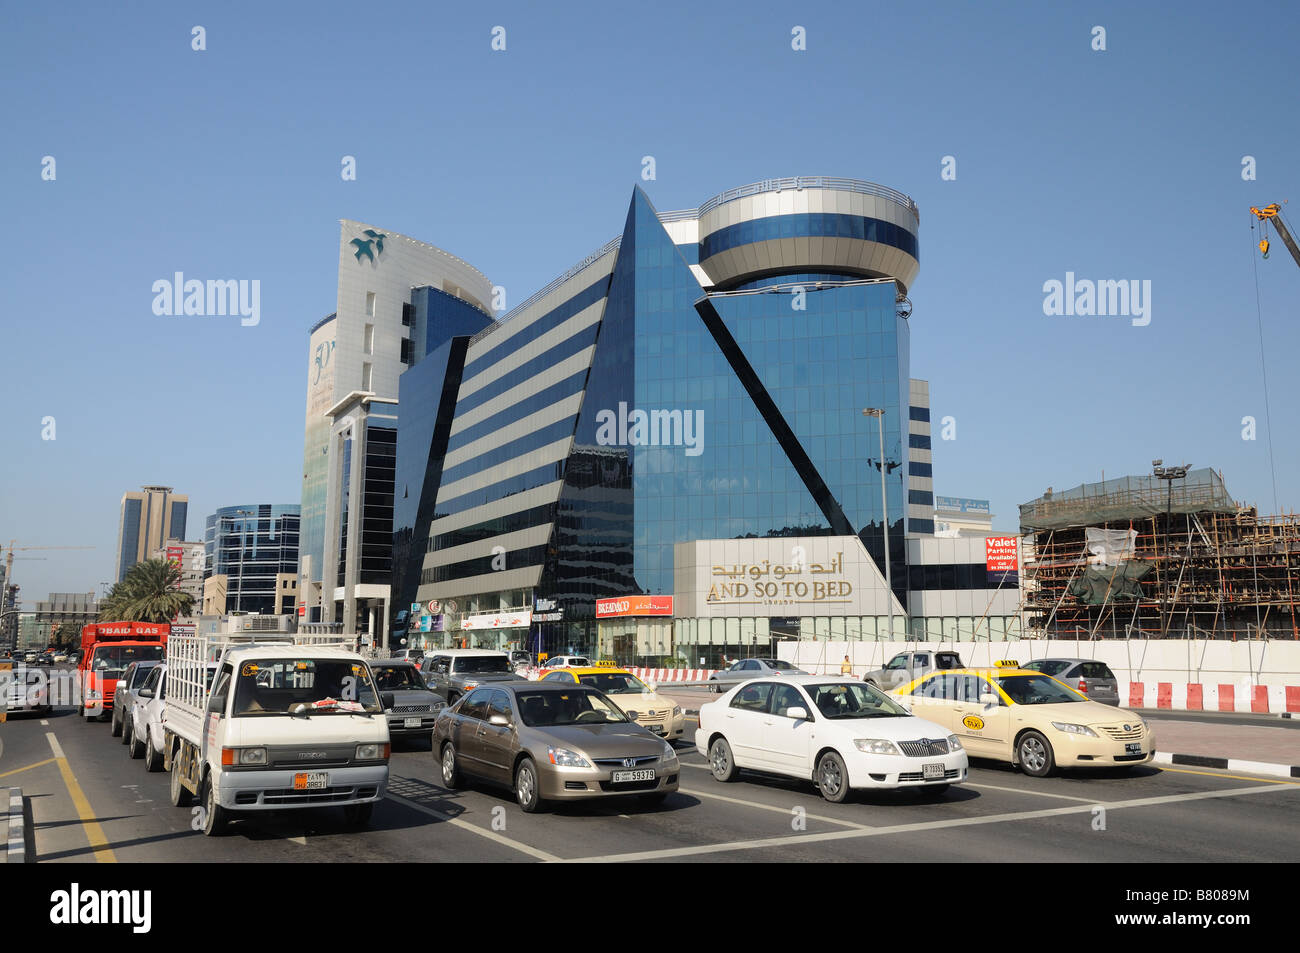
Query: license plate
x,y
932,771
620,776
411,722
1133,747
311,781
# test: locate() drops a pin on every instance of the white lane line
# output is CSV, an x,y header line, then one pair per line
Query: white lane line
x,y
1063,797
45,723
55,746
300,839
493,836
785,841
787,811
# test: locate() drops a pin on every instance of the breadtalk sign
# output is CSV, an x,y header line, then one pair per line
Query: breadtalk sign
x,y
634,606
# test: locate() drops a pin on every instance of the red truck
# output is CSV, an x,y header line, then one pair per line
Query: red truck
x,y
107,648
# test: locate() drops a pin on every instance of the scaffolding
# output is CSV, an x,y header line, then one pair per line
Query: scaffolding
x,y
1193,563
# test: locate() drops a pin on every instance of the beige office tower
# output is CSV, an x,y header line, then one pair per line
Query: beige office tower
x,y
150,516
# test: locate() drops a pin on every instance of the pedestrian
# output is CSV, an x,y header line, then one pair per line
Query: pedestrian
x,y
846,667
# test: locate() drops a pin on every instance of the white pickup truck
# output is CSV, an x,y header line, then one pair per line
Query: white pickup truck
x,y
289,722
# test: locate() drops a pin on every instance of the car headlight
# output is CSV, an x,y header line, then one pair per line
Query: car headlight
x,y
677,710
94,695
669,753
372,752
564,758
954,743
876,746
252,756
1070,729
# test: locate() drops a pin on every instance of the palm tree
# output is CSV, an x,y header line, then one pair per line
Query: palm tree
x,y
148,593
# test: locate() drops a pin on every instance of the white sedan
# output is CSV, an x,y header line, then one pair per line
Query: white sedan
x,y
840,733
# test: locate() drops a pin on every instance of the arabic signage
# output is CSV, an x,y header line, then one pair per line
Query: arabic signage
x,y
499,620
634,606
797,581
961,504
1000,554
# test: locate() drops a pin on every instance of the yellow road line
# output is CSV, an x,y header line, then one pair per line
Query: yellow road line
x,y
28,768
94,833
1235,777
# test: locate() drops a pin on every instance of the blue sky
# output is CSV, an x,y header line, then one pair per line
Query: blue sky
x,y
1122,164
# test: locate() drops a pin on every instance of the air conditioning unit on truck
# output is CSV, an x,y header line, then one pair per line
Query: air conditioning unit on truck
x,y
288,722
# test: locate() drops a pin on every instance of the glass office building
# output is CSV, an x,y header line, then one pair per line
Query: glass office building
x,y
255,547
702,377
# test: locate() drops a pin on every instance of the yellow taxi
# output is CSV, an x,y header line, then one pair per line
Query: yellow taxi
x,y
639,701
1008,713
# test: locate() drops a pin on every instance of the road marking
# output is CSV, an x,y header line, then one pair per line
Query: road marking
x,y
45,723
787,840
1235,777
1064,797
493,836
28,768
94,833
787,811
300,839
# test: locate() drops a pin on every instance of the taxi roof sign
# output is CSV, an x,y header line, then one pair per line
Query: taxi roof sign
x,y
1007,663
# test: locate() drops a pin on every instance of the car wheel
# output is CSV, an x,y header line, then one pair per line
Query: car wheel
x,y
124,730
152,757
180,795
527,790
714,688
133,747
450,769
1034,752
214,815
833,778
117,725
358,815
721,761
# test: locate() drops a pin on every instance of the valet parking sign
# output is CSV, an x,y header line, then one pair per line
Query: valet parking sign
x,y
1000,554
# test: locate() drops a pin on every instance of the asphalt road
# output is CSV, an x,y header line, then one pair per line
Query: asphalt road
x,y
89,801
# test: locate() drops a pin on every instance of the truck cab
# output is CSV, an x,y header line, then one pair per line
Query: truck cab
x,y
285,725
107,648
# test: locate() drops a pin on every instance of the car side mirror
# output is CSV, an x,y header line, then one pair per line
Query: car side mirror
x,y
386,699
989,700
501,721
798,713
146,693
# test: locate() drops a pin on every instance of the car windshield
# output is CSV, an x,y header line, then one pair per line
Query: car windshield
x,y
854,700
110,661
140,673
1047,667
332,686
482,665
615,683
391,678
552,709
1036,690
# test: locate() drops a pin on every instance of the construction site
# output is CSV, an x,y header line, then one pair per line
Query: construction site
x,y
1164,556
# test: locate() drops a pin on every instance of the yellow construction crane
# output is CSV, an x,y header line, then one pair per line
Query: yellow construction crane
x,y
1273,213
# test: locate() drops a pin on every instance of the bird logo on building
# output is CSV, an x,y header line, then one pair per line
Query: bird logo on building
x,y
363,245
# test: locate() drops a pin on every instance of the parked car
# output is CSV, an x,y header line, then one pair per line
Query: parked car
x,y
1029,719
124,694
642,703
551,742
409,704
1092,678
567,661
746,669
453,672
840,733
909,666
408,655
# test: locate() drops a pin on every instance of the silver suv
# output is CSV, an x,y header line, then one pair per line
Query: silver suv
x,y
453,672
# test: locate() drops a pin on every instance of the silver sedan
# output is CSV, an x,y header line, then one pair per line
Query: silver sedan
x,y
749,668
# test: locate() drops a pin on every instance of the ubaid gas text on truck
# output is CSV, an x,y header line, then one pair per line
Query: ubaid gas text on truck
x,y
107,648
289,722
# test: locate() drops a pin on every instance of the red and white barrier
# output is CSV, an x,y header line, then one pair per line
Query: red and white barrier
x,y
1193,696
672,674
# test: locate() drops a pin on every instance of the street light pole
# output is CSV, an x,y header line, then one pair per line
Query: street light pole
x,y
1169,475
879,414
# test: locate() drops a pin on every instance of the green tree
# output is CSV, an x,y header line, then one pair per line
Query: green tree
x,y
148,593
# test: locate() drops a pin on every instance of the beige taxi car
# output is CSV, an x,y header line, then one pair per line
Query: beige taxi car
x,y
642,703
1029,719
